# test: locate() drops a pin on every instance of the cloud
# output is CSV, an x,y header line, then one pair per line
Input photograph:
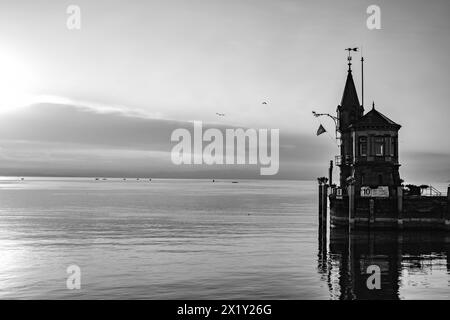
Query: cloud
x,y
94,140
88,140
94,106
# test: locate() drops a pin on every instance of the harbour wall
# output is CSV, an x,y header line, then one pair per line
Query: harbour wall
x,y
395,212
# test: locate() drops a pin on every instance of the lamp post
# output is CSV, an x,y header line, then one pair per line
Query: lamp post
x,y
335,119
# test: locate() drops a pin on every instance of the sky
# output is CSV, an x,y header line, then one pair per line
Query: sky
x,y
103,100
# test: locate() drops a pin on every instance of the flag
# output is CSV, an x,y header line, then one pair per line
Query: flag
x,y
321,130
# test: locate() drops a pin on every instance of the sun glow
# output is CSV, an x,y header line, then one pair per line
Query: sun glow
x,y
16,81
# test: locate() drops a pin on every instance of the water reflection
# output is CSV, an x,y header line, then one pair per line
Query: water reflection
x,y
411,263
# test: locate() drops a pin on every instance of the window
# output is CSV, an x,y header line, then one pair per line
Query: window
x,y
338,124
380,179
363,146
393,147
379,146
363,179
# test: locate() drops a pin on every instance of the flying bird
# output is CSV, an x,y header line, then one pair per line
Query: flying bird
x,y
220,114
264,102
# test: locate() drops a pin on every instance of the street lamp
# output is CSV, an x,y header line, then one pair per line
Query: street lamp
x,y
335,119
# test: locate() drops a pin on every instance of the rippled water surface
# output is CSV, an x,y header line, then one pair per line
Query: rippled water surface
x,y
194,239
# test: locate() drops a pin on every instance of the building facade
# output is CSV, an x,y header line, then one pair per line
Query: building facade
x,y
369,144
371,194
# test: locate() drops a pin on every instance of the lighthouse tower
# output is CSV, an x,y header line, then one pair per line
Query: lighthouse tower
x,y
369,143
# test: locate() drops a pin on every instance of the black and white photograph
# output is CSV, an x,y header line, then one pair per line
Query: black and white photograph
x,y
224,150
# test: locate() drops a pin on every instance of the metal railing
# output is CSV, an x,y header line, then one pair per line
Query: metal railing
x,y
430,191
340,160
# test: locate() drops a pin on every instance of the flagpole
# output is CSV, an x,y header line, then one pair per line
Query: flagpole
x,y
362,77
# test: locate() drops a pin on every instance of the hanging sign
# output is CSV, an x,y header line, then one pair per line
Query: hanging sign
x,y
380,192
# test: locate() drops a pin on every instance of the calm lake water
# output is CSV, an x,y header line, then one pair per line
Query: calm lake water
x,y
194,239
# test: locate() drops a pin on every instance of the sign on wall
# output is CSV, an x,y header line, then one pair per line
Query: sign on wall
x,y
339,193
380,192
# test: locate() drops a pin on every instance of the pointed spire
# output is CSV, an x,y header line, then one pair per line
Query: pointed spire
x,y
373,105
349,111
350,96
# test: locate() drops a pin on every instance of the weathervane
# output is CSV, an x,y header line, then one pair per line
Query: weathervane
x,y
349,58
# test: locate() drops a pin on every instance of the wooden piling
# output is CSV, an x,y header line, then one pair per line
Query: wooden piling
x,y
400,207
351,204
330,173
447,218
324,207
322,224
371,212
320,205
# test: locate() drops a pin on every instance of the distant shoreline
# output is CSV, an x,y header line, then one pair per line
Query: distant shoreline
x,y
217,179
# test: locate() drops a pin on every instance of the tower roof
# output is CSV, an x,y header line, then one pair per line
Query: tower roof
x,y
350,96
374,118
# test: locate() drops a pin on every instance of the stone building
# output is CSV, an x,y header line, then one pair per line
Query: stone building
x,y
369,144
371,194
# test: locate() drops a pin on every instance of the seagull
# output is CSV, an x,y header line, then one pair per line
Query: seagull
x,y
220,114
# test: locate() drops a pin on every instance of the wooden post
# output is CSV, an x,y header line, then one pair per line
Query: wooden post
x,y
320,204
371,211
330,173
322,224
447,218
351,204
324,207
400,207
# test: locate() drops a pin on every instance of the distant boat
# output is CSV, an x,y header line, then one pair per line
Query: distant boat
x,y
124,179
96,179
104,179
234,182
